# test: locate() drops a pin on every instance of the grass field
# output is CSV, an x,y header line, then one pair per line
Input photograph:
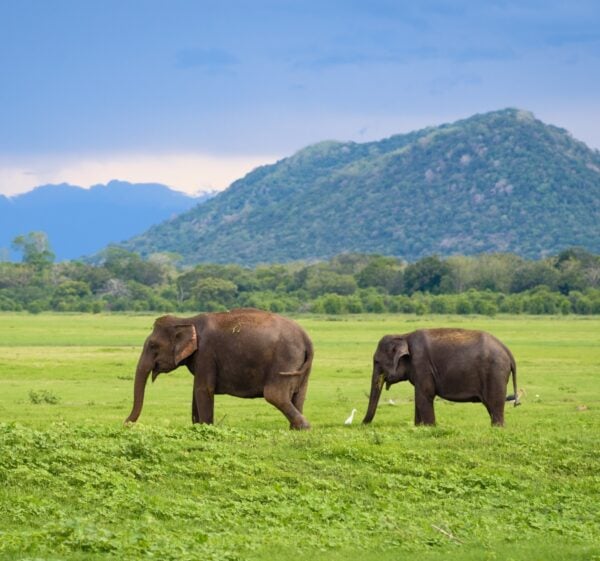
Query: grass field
x,y
75,484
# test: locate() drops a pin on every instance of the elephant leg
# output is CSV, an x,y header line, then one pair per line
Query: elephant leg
x,y
417,415
279,398
424,413
494,401
195,416
299,397
204,402
495,408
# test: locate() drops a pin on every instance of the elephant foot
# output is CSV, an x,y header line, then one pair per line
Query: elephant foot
x,y
303,424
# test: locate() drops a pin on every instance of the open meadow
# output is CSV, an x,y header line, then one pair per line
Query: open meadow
x,y
76,484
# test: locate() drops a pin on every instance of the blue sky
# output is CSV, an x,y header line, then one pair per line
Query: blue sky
x,y
196,93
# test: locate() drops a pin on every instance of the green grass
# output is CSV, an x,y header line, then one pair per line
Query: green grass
x,y
76,484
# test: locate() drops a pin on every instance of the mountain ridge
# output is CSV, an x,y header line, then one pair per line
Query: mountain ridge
x,y
494,182
81,221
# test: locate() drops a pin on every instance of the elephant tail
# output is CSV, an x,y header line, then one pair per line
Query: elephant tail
x,y
304,370
513,368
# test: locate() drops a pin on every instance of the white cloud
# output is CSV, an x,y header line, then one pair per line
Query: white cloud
x,y
188,172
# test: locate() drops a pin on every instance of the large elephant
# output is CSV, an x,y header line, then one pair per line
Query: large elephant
x,y
455,364
244,352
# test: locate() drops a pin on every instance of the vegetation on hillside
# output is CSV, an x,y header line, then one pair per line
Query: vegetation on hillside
x,y
498,182
349,283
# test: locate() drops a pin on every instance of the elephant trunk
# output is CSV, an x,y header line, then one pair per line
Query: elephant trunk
x,y
376,387
144,367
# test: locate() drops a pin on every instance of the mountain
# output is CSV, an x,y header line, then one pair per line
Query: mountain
x,y
496,182
82,221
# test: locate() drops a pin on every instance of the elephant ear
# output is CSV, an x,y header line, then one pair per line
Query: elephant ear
x,y
400,349
186,342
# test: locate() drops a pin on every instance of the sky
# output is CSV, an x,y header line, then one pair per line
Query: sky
x,y
195,94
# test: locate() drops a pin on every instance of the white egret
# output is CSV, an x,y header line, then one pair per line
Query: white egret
x,y
349,420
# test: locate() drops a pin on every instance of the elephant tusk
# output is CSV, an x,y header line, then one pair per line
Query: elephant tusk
x,y
380,382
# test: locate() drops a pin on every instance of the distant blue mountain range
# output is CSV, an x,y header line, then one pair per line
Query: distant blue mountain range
x,y
81,221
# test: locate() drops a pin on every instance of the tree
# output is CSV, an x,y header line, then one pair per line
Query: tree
x,y
426,275
462,272
328,282
534,273
71,296
212,293
382,272
273,277
126,265
494,271
578,268
35,248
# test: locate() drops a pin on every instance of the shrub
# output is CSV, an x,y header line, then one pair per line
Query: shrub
x,y
38,397
354,305
581,304
464,306
333,304
36,307
401,304
442,305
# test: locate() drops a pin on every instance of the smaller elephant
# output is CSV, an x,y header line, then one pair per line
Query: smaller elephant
x,y
455,364
244,352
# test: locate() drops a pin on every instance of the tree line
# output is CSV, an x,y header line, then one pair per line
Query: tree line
x,y
120,280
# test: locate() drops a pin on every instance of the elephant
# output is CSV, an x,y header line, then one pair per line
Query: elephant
x,y
455,364
244,352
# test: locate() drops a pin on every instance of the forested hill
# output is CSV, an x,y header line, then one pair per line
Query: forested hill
x,y
497,182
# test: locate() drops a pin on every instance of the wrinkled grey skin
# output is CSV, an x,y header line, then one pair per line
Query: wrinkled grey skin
x,y
244,352
455,364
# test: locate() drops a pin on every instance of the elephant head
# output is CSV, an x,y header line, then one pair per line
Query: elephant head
x,y
170,343
391,362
